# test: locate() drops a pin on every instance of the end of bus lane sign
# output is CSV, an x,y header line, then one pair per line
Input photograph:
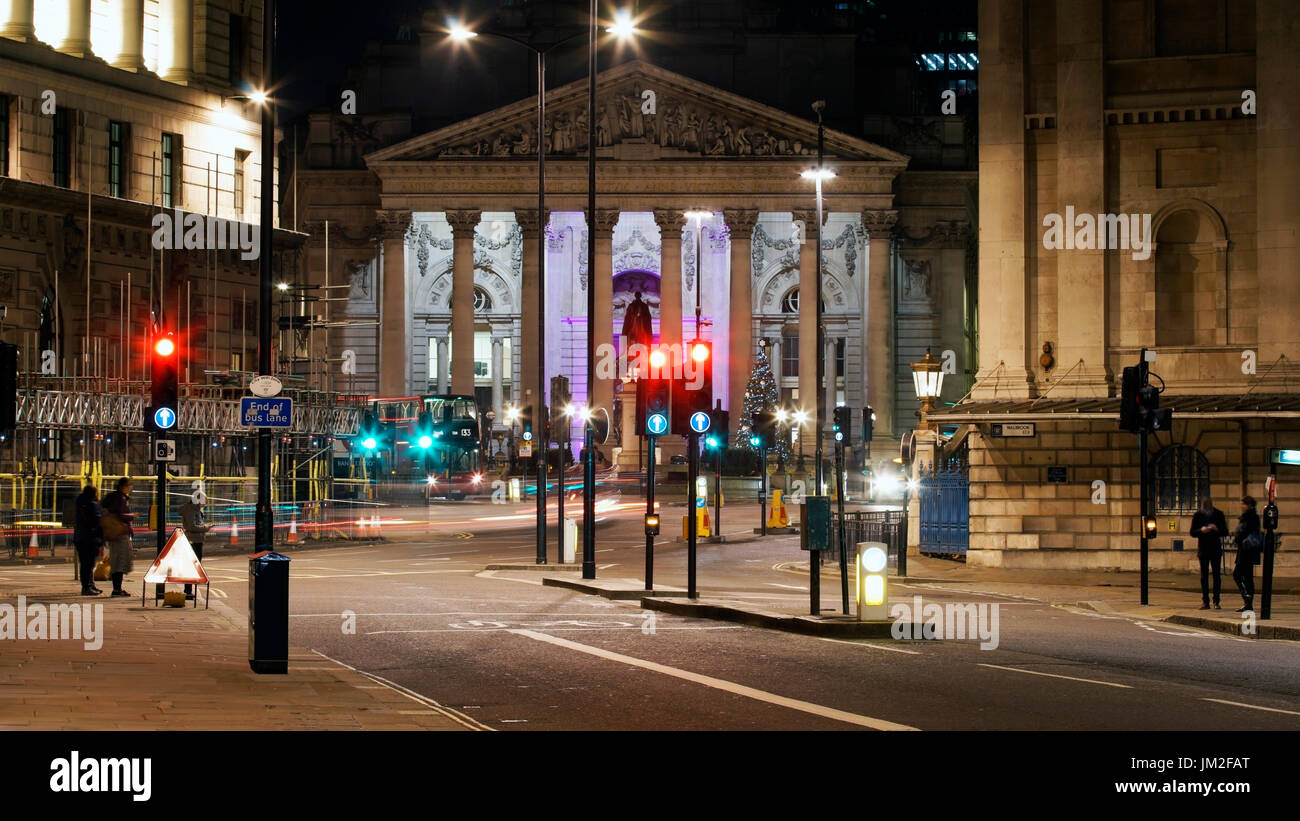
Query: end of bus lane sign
x,y
258,412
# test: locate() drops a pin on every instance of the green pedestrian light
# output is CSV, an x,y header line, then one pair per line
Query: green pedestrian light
x,y
369,443
425,441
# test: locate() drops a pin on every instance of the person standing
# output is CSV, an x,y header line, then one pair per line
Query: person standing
x,y
1209,528
88,538
1250,543
195,528
117,511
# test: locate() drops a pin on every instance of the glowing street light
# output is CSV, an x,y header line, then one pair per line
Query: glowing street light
x,y
459,32
623,27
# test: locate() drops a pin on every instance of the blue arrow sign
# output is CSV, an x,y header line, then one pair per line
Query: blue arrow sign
x,y
699,501
656,424
528,436
164,418
700,421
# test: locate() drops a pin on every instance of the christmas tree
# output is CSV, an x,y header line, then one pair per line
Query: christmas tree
x,y
761,394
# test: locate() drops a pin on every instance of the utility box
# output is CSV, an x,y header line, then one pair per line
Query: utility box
x,y
268,612
815,529
570,540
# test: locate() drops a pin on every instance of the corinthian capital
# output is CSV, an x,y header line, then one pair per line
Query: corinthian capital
x,y
741,221
464,221
879,224
392,224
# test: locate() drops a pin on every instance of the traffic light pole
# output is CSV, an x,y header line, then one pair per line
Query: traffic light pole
x,y
762,491
559,489
692,471
839,500
264,524
162,513
717,493
1142,496
649,510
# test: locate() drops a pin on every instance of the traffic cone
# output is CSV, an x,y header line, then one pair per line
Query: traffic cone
x,y
33,550
234,533
359,528
293,532
374,527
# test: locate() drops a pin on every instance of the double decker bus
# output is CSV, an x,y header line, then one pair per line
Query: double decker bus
x,y
450,459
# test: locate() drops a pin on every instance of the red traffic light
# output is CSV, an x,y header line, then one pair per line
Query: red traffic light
x,y
164,346
700,352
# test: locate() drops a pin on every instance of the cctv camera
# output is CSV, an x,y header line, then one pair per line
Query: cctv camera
x,y
819,106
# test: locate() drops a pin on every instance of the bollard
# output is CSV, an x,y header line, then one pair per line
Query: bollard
x,y
872,581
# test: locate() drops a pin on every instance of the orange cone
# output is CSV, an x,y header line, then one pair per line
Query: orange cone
x,y
361,527
374,526
293,532
234,533
33,550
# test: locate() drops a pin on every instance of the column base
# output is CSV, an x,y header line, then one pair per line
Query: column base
x,y
76,48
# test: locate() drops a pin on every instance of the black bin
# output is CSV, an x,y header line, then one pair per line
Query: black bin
x,y
268,612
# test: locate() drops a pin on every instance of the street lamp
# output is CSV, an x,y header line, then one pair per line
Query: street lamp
x,y
927,379
622,29
698,216
801,419
264,518
819,175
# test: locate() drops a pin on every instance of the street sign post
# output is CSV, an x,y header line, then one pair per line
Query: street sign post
x,y
257,412
164,450
164,418
700,422
656,424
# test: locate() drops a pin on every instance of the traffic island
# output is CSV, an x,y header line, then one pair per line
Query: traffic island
x,y
568,568
615,589
837,626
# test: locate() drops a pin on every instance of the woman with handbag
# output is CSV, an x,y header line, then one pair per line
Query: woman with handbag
x,y
116,524
88,538
1250,546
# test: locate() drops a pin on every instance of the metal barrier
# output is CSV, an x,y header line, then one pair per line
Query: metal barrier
x,y
888,526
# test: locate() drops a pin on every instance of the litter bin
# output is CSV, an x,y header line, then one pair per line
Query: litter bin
x,y
268,612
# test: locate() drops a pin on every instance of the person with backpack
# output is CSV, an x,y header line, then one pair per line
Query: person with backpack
x,y
116,524
1250,546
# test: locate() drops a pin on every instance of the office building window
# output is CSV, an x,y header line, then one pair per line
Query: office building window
x,y
1181,479
172,164
4,135
241,161
118,159
62,149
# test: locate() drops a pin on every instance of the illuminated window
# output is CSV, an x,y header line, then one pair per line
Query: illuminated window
x,y
171,170
1181,475
118,159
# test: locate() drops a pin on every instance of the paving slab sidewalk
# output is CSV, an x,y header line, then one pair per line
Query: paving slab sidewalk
x,y
184,669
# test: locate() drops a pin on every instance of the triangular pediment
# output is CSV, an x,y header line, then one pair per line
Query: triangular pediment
x,y
643,112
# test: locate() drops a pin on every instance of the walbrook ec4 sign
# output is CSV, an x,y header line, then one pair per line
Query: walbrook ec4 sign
x,y
199,232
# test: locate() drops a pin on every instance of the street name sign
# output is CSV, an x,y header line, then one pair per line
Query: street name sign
x,y
1011,429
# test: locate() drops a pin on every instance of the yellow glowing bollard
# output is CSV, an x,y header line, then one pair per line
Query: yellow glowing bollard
x,y
872,571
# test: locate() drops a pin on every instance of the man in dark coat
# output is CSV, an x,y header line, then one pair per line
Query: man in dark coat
x,y
1244,571
1209,527
88,537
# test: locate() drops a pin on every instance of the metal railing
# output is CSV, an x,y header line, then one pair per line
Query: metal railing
x,y
888,526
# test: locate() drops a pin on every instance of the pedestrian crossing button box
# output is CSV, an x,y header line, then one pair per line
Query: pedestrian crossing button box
x,y
815,527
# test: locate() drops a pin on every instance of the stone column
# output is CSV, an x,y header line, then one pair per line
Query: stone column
x,y
444,367
670,224
600,272
176,40
463,224
131,58
496,379
1003,373
530,291
1080,182
1277,192
395,331
740,348
808,352
77,40
879,367
19,21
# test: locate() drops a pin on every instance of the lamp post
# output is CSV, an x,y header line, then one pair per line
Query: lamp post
x,y
801,419
819,174
927,379
264,521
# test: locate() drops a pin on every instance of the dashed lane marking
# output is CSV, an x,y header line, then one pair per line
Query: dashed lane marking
x,y
1251,706
719,684
872,646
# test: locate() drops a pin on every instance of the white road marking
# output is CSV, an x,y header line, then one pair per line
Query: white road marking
x,y
454,715
872,646
1252,706
1057,675
719,684
788,586
492,574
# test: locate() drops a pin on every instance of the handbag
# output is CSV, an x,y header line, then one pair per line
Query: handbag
x,y
103,570
112,526
1253,545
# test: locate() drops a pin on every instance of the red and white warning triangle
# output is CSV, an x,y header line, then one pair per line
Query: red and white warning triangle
x,y
176,563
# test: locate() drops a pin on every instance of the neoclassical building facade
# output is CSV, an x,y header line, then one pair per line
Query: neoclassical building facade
x,y
437,238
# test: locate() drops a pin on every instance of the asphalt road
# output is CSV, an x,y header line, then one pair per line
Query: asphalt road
x,y
513,655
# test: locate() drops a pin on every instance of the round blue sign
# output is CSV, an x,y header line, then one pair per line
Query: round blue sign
x,y
700,421
528,436
656,424
164,418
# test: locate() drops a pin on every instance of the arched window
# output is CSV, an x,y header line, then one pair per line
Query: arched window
x,y
790,302
482,302
1181,475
